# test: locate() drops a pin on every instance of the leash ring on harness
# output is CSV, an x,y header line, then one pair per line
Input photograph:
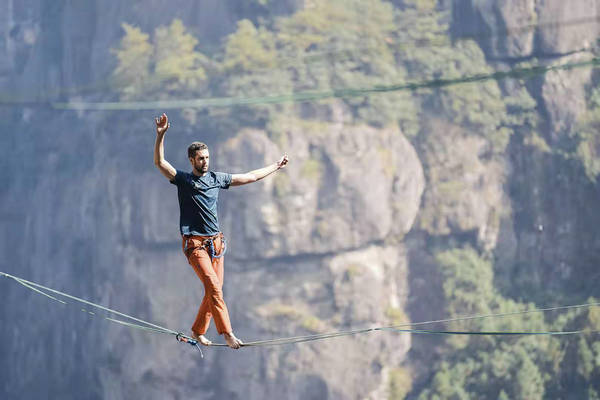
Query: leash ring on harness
x,y
213,253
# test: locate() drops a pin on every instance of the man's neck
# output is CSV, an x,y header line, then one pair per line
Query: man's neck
x,y
198,173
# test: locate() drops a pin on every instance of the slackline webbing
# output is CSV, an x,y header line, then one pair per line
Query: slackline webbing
x,y
105,85
321,95
401,328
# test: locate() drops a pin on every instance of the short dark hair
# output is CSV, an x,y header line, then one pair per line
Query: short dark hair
x,y
195,147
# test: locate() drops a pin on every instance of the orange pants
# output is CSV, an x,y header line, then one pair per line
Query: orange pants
x,y
210,271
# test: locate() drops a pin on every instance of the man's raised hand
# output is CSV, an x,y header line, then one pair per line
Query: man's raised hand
x,y
162,124
282,161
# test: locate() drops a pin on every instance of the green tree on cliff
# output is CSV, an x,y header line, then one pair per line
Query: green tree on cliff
x,y
169,65
178,67
509,367
134,57
587,137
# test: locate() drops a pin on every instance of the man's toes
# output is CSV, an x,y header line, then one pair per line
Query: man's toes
x,y
201,339
204,341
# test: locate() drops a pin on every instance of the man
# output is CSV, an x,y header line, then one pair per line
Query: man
x,y
203,243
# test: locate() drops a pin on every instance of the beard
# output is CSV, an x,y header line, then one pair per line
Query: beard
x,y
201,168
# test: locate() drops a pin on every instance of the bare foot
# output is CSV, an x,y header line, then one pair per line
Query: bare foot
x,y
232,341
201,339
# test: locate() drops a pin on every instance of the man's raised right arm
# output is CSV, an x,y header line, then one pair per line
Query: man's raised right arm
x,y
162,124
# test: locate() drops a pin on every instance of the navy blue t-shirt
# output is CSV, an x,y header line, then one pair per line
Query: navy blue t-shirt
x,y
198,201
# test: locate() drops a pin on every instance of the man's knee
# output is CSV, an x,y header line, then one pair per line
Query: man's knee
x,y
216,294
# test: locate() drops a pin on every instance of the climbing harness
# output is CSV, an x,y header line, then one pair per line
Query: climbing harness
x,y
208,244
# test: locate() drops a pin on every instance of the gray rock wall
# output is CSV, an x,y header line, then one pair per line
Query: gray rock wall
x,y
551,239
516,29
337,240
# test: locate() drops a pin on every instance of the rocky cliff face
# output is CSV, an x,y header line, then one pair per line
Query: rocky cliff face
x,y
314,249
370,174
515,29
336,241
549,195
552,31
300,264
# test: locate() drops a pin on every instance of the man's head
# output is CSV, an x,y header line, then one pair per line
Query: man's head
x,y
199,157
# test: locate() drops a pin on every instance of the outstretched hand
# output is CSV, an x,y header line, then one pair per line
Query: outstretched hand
x,y
282,161
162,124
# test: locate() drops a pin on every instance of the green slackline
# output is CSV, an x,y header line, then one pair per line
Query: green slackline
x,y
322,95
337,54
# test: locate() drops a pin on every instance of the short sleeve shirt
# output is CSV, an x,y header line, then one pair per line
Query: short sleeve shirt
x,y
198,196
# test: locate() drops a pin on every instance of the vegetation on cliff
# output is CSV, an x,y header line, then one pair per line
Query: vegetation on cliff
x,y
343,44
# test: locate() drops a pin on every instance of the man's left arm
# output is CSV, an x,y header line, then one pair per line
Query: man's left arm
x,y
258,174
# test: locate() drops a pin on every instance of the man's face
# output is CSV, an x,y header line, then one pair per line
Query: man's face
x,y
200,161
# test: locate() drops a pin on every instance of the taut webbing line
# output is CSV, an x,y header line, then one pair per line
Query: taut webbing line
x,y
309,338
150,327
496,315
33,286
